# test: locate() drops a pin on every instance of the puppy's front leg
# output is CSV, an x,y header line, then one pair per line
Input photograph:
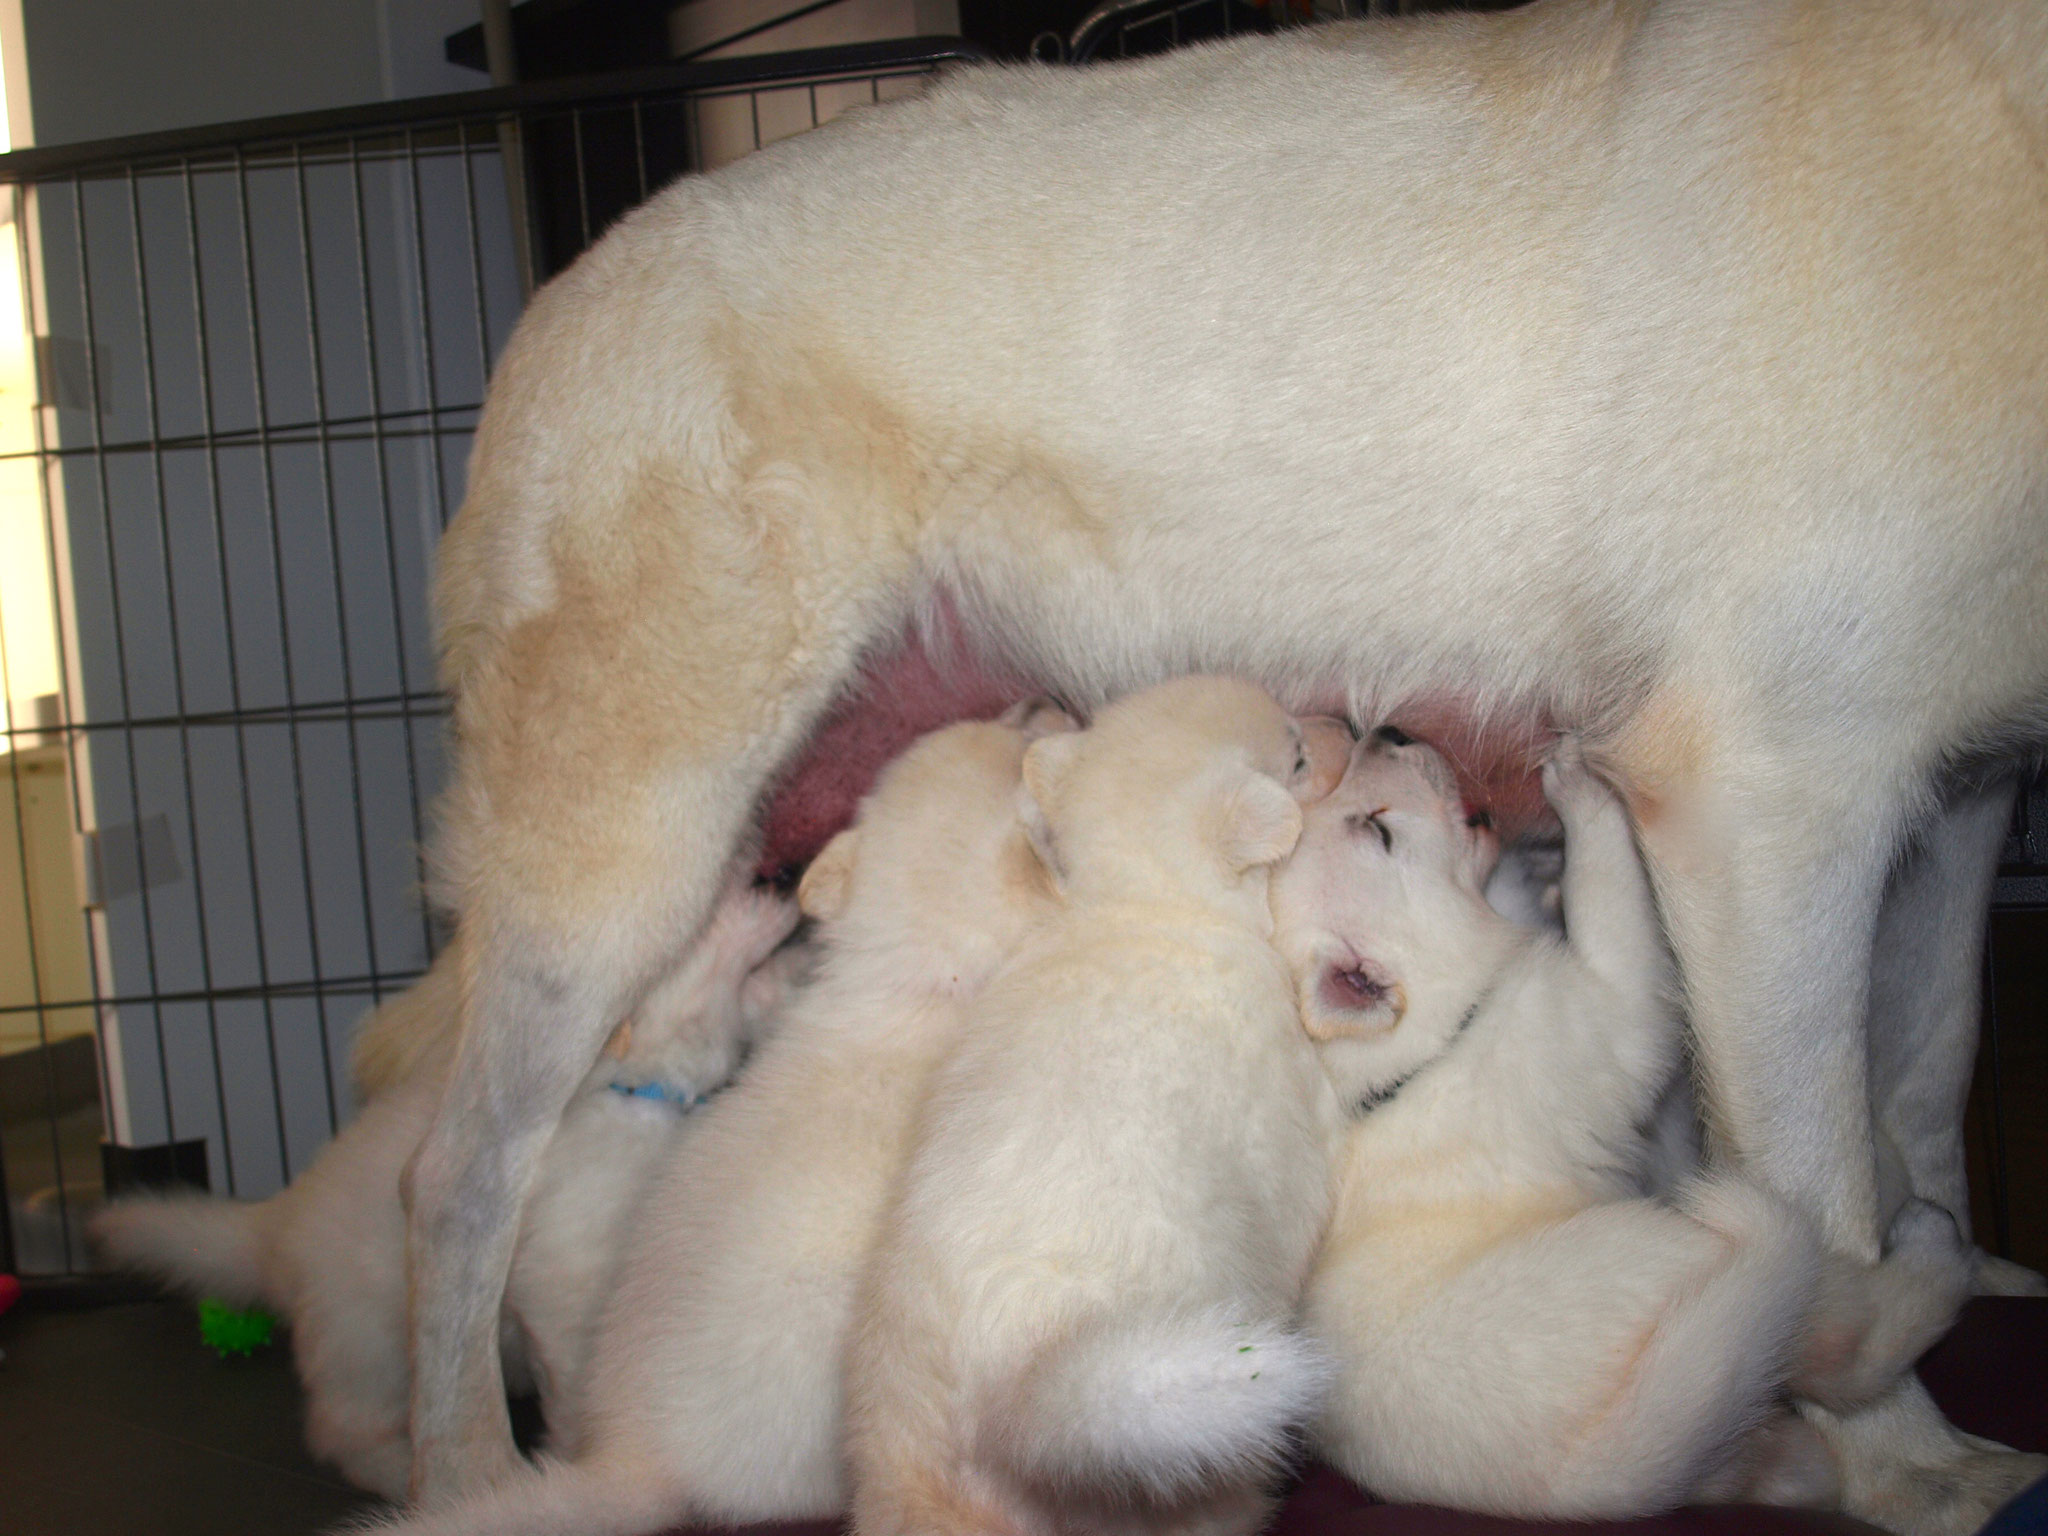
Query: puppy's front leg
x,y
1610,916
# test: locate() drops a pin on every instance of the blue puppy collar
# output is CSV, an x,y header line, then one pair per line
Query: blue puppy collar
x,y
684,1099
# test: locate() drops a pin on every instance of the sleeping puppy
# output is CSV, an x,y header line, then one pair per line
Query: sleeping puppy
x,y
1080,1313
714,1393
327,1254
1516,1330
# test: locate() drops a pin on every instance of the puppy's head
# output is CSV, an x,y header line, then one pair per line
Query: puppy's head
x,y
692,1027
936,870
1380,910
1192,787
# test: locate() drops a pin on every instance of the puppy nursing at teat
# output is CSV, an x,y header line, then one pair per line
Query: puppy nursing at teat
x,y
714,1389
1081,1312
1515,1328
327,1254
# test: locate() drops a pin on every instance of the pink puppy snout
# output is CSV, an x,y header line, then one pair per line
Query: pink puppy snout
x,y
1327,740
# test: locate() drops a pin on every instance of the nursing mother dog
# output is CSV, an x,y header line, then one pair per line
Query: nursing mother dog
x,y
1674,373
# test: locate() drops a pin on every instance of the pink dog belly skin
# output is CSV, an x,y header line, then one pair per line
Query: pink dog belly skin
x,y
913,688
1498,759
903,693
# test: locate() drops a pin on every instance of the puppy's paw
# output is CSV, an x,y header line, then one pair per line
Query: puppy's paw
x,y
1950,1497
2002,1277
1783,1461
1871,1322
1571,785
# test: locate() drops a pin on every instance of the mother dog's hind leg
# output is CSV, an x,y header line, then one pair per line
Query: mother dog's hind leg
x,y
1770,869
1926,984
611,747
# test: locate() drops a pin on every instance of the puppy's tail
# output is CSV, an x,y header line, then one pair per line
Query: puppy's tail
x,y
1159,1408
555,1499
195,1243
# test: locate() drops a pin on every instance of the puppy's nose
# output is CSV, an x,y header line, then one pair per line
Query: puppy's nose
x,y
1327,741
1393,736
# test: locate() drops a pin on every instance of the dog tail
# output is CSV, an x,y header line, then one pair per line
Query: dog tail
x,y
1161,1407
192,1242
555,1499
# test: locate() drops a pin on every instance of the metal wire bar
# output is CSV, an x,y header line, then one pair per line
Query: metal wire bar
x,y
393,706
2001,1213
582,182
420,276
295,432
367,984
94,397
234,668
177,648
347,660
476,281
640,149
34,309
264,457
35,983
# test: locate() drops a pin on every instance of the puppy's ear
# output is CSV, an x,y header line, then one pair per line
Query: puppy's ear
x,y
1039,716
1047,762
1258,823
1349,998
823,891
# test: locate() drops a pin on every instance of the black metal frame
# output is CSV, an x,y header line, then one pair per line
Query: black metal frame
x,y
189,244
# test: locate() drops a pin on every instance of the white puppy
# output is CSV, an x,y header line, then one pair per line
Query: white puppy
x,y
714,1393
327,1254
1082,1308
1516,1331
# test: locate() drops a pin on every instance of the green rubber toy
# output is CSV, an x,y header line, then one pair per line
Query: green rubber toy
x,y
232,1331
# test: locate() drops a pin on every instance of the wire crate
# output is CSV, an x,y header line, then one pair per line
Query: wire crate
x,y
258,356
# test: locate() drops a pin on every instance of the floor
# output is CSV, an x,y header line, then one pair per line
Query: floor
x,y
187,1442
117,1421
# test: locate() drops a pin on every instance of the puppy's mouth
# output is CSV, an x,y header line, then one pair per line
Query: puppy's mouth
x,y
1351,988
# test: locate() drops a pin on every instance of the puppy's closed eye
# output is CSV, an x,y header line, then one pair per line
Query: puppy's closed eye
x,y
1362,822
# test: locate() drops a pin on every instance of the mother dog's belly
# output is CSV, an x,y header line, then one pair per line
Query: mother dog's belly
x,y
923,682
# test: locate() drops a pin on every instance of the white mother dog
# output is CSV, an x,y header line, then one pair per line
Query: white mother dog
x,y
1674,372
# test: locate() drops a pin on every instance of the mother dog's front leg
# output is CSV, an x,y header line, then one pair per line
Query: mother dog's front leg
x,y
1771,871
612,746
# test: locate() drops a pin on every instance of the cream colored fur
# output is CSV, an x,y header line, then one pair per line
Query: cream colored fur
x,y
1518,1330
328,1253
714,1395
1674,369
1080,1313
